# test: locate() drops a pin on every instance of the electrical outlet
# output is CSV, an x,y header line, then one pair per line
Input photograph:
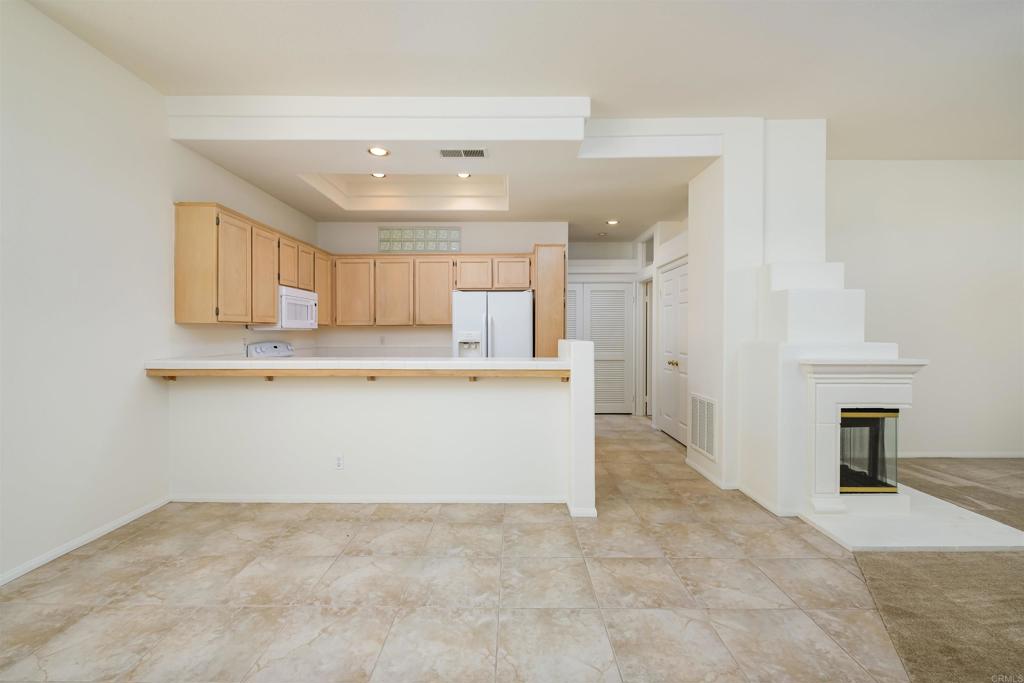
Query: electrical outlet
x,y
339,463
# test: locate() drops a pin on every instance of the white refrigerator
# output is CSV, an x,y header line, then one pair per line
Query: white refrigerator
x,y
492,324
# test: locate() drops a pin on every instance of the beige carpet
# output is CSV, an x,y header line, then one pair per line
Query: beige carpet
x,y
957,616
952,616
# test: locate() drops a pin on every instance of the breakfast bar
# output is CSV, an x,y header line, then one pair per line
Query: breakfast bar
x,y
363,429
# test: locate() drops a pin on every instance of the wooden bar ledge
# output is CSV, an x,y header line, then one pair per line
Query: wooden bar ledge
x,y
371,374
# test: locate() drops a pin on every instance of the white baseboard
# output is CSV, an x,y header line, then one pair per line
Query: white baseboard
x,y
583,512
360,498
74,544
763,503
700,465
961,454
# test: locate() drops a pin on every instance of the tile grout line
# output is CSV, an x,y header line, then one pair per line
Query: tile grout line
x,y
881,618
497,616
384,642
735,659
600,611
809,617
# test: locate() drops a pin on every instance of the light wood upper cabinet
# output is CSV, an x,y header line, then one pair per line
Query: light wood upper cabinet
x,y
353,291
289,263
234,270
473,272
511,272
393,291
548,298
227,268
305,268
195,263
324,291
433,290
264,275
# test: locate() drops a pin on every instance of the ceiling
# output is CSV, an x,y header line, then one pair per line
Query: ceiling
x,y
412,191
896,80
542,181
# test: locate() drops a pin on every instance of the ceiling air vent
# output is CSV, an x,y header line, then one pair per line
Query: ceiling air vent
x,y
463,153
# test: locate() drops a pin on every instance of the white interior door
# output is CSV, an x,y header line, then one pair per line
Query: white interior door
x,y
672,357
607,317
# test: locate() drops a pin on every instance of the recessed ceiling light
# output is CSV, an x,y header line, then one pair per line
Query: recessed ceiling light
x,y
378,151
602,234
612,221
463,175
379,175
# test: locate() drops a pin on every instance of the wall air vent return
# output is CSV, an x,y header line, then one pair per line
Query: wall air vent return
x,y
702,425
463,153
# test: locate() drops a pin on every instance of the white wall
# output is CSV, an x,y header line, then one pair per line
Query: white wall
x,y
707,299
939,248
667,230
602,250
794,191
89,181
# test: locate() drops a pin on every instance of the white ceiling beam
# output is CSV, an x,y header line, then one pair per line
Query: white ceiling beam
x,y
651,146
377,118
372,129
386,107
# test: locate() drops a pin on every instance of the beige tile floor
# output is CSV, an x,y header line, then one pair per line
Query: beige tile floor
x,y
675,581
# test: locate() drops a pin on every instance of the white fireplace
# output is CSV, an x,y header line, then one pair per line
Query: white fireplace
x,y
870,387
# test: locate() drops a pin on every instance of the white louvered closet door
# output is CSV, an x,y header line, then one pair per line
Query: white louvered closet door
x,y
573,324
607,320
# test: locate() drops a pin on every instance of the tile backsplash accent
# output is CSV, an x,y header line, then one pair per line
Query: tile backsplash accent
x,y
413,240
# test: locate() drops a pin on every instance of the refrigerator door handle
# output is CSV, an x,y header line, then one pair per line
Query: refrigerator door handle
x,y
490,336
485,342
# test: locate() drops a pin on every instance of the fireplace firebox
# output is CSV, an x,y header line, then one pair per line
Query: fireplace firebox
x,y
867,450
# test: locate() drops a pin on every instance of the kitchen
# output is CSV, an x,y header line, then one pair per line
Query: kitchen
x,y
506,404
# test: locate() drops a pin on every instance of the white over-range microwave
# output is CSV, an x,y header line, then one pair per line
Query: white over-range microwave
x,y
296,310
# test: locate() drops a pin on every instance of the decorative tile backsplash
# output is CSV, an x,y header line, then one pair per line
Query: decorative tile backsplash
x,y
411,240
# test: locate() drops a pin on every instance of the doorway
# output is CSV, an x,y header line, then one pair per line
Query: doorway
x,y
671,360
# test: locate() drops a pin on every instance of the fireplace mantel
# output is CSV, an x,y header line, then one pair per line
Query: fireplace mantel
x,y
835,384
867,367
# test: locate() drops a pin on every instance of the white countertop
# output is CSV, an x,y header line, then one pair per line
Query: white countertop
x,y
238,362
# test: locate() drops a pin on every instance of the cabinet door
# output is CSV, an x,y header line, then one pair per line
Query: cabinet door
x,y
549,298
289,262
264,276
433,290
353,291
305,270
234,270
511,272
324,290
393,291
473,272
